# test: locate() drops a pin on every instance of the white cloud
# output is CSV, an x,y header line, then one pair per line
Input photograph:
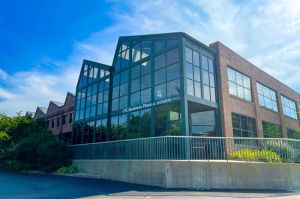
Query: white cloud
x,y
264,32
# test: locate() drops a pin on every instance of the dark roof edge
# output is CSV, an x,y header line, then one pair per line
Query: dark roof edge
x,y
168,34
85,61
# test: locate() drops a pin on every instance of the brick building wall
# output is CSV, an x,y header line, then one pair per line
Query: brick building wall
x,y
231,104
60,117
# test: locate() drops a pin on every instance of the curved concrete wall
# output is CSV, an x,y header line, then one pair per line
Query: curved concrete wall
x,y
196,173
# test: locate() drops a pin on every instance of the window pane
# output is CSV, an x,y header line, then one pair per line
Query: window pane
x,y
159,46
160,76
190,87
145,123
189,70
99,109
196,58
122,127
105,95
247,93
135,85
173,88
246,82
124,102
115,104
100,97
135,72
271,130
240,90
210,65
239,79
211,80
114,127
160,61
115,92
196,73
146,95
146,49
136,52
188,55
173,72
204,62
146,67
160,91
146,81
259,88
206,92
135,99
231,74
105,107
134,123
173,56
124,76
205,77
212,94
197,89
123,89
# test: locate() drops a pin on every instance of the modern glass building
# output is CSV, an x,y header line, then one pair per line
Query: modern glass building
x,y
161,84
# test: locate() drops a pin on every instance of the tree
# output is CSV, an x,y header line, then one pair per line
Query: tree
x,y
26,143
42,151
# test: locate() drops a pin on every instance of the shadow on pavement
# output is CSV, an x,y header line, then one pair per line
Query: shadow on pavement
x,y
23,185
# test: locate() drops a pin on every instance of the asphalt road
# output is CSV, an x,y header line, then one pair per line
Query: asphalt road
x,y
24,186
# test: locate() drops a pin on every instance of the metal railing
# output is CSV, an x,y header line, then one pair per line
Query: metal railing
x,y
193,148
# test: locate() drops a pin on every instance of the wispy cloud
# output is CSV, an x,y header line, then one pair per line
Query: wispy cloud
x,y
265,32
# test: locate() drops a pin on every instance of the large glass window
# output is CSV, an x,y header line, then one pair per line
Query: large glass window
x,y
123,56
271,130
200,80
166,74
289,107
118,127
101,130
239,84
243,126
293,134
167,119
267,97
134,122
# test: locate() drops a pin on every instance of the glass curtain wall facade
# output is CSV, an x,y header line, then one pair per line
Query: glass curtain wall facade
x,y
91,106
147,92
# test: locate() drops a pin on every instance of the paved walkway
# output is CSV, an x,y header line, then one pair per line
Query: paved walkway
x,y
26,186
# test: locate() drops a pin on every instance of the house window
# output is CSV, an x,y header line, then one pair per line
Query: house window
x,y
271,130
267,97
70,118
293,134
52,123
239,84
289,107
243,126
58,121
63,122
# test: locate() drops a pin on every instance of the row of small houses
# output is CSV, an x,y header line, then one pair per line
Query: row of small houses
x,y
59,116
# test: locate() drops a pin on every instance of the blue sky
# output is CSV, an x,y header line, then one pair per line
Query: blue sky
x,y
42,43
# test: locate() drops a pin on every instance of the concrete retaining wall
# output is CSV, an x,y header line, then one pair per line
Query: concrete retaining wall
x,y
196,174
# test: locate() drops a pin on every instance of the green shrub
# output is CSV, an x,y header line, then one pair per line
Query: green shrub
x,y
14,165
67,170
42,151
255,155
287,152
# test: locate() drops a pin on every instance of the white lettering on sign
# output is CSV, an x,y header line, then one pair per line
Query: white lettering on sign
x,y
149,105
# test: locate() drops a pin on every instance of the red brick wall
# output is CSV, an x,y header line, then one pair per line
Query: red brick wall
x,y
55,112
229,104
